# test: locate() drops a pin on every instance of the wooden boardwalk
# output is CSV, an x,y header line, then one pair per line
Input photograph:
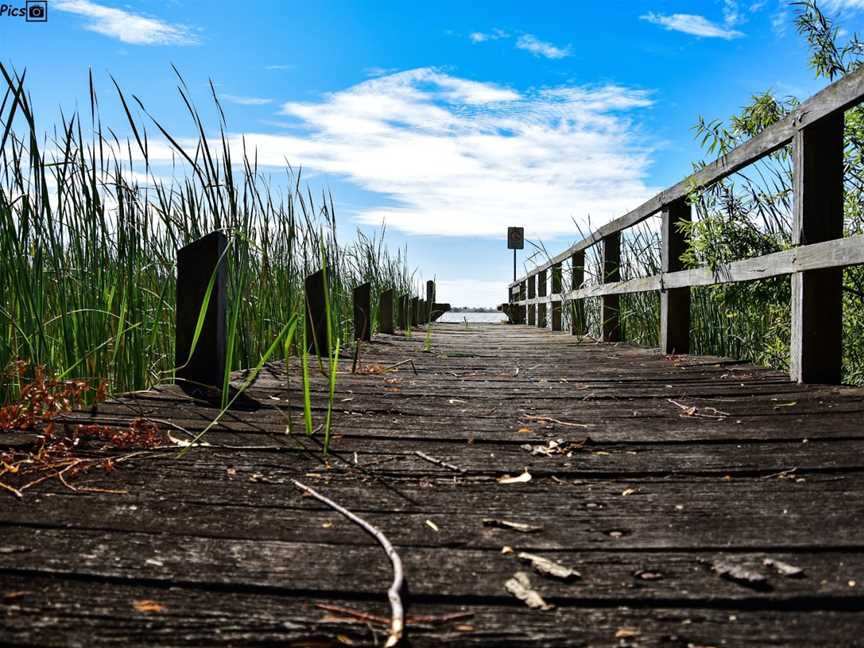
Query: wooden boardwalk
x,y
652,476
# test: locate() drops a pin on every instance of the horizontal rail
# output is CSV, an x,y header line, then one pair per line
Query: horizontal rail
x,y
838,253
835,98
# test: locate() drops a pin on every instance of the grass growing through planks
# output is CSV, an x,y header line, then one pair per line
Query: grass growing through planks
x,y
90,224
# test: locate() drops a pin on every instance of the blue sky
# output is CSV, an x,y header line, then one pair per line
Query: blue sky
x,y
449,121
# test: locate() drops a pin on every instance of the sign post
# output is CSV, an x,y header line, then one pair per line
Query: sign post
x,y
515,241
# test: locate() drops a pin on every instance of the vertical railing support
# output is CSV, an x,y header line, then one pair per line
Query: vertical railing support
x,y
523,310
363,312
415,311
817,297
556,303
674,302
316,314
542,286
609,306
385,311
423,311
404,312
196,265
532,294
578,324
430,294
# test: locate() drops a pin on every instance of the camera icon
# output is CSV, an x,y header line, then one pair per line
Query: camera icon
x,y
37,11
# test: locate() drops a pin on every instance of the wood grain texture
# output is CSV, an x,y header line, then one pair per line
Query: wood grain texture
x,y
646,471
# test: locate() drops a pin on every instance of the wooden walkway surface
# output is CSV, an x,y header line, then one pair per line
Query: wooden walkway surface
x,y
673,472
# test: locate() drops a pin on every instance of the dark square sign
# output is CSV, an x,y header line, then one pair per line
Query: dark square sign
x,y
515,238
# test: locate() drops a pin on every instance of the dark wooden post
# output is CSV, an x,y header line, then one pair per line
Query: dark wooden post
x,y
541,292
817,298
362,312
415,311
532,293
523,310
430,293
674,302
196,264
404,312
316,314
611,328
423,311
556,303
577,309
385,311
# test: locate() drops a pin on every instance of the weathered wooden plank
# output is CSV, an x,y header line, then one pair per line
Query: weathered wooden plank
x,y
51,614
200,265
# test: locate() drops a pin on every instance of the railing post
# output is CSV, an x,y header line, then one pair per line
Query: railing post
x,y
523,295
556,303
609,307
385,311
817,297
542,286
362,312
316,314
430,293
424,315
532,293
674,302
415,311
577,308
404,312
196,264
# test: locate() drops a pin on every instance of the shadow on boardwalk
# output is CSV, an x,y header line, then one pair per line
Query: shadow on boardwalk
x,y
673,469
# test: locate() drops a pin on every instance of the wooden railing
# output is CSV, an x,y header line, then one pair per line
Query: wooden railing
x,y
203,262
815,130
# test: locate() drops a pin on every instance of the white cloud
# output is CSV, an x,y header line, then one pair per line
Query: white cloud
x,y
531,43
693,24
456,157
246,101
128,27
840,5
280,66
482,37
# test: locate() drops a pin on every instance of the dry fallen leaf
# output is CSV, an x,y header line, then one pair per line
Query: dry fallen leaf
x,y
628,491
520,479
520,587
147,606
506,549
525,430
784,568
624,633
740,574
432,525
548,567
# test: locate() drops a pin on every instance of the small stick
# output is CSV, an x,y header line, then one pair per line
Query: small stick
x,y
438,462
531,417
356,614
397,624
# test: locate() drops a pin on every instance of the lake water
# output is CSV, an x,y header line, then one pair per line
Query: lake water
x,y
479,318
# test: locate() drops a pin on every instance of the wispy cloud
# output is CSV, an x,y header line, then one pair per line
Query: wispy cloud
x,y
126,26
531,43
280,66
693,24
245,101
840,5
482,37
457,157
